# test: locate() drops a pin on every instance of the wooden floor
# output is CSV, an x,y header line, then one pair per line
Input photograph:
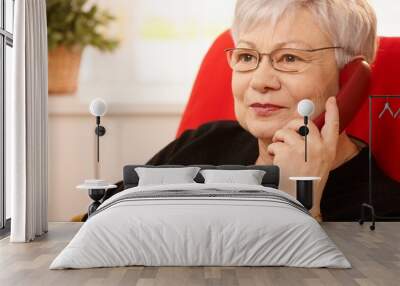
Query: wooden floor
x,y
375,256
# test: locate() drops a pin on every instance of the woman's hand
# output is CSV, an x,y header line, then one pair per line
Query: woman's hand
x,y
287,150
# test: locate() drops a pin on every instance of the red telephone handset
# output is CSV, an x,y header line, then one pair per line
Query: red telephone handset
x,y
355,81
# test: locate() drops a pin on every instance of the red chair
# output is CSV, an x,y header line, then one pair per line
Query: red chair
x,y
212,99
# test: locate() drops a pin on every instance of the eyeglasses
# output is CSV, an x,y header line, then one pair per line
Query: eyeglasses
x,y
285,59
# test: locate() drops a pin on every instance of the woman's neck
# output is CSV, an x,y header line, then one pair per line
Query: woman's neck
x,y
346,150
263,157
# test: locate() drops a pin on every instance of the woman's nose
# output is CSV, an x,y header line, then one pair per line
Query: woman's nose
x,y
265,77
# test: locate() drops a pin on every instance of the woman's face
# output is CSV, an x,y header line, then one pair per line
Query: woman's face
x,y
266,85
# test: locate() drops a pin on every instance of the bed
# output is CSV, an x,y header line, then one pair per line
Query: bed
x,y
201,224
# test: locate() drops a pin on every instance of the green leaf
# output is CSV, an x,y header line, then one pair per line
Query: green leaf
x,y
68,24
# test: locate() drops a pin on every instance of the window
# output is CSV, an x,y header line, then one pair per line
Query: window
x,y
160,52
387,12
6,43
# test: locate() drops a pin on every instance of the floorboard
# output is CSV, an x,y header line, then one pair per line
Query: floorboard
x,y
374,255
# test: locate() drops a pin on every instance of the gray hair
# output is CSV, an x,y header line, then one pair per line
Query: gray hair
x,y
350,24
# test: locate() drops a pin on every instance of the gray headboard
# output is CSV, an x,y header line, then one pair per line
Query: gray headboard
x,y
270,179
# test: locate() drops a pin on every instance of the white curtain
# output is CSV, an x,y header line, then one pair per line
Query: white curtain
x,y
27,123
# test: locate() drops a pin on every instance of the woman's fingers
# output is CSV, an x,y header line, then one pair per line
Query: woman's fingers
x,y
288,136
277,148
313,135
326,139
330,130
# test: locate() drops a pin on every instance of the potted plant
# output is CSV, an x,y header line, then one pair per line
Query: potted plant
x,y
71,26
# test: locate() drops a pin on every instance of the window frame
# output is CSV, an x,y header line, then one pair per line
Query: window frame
x,y
6,39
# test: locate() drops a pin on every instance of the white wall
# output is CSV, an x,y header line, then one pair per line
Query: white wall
x,y
132,136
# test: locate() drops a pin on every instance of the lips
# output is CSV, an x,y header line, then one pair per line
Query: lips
x,y
265,105
265,109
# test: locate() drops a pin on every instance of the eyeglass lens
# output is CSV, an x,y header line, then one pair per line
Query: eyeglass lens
x,y
290,60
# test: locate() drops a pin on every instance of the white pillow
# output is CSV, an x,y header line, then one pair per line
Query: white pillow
x,y
249,177
162,176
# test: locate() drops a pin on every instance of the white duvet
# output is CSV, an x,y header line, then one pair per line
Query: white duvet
x,y
183,231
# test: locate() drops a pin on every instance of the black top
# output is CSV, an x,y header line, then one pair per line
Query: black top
x,y
226,142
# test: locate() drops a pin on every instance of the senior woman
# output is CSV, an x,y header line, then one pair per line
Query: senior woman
x,y
272,39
